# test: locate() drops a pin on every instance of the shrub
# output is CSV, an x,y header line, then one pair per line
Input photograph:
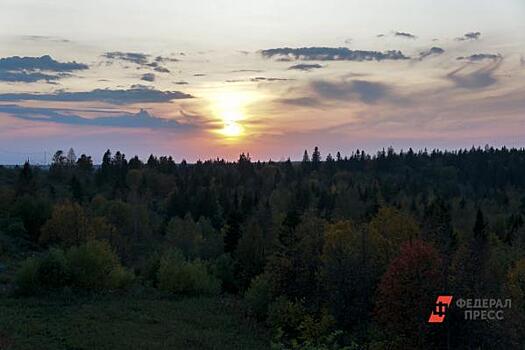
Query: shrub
x,y
224,270
150,269
53,270
91,265
258,296
120,278
176,275
285,317
26,277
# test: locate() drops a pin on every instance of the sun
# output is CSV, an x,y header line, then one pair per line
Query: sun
x,y
232,129
230,108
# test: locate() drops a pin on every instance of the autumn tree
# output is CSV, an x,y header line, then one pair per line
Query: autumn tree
x,y
407,293
390,228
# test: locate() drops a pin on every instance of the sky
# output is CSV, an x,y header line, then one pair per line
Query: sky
x,y
205,79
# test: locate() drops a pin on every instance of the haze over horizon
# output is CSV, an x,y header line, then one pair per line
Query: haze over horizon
x,y
199,80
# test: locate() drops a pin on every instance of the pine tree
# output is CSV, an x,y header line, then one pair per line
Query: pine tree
x,y
306,157
316,156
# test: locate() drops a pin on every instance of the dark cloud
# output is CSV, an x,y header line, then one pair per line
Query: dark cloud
x,y
301,101
199,75
434,51
268,79
148,77
480,57
305,67
380,35
141,119
161,69
133,57
42,63
32,69
405,35
162,59
331,54
137,94
181,82
247,71
478,79
29,77
470,36
365,91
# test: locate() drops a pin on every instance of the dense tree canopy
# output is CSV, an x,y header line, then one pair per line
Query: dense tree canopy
x,y
350,250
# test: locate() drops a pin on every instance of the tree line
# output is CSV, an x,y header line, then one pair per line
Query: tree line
x,y
332,252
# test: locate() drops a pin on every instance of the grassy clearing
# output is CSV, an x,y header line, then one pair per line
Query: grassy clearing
x,y
124,322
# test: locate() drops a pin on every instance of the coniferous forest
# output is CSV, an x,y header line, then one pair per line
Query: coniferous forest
x,y
332,252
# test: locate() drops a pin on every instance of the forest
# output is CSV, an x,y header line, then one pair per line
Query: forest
x,y
331,252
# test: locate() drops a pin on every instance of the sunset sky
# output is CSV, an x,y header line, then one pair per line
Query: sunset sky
x,y
205,79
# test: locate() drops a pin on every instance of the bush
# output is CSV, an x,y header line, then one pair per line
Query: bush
x,y
91,265
224,270
53,270
258,296
176,275
26,277
150,268
120,278
285,318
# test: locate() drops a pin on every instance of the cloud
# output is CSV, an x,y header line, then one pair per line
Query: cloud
x,y
141,59
255,79
469,36
42,63
433,51
247,71
480,57
133,57
405,35
182,82
305,67
148,77
161,69
142,119
44,38
29,77
478,79
163,59
32,69
301,101
199,75
137,94
331,54
365,91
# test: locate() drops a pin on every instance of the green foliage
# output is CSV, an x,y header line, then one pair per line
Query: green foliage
x,y
258,296
178,276
223,268
53,270
313,247
27,279
90,266
185,235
